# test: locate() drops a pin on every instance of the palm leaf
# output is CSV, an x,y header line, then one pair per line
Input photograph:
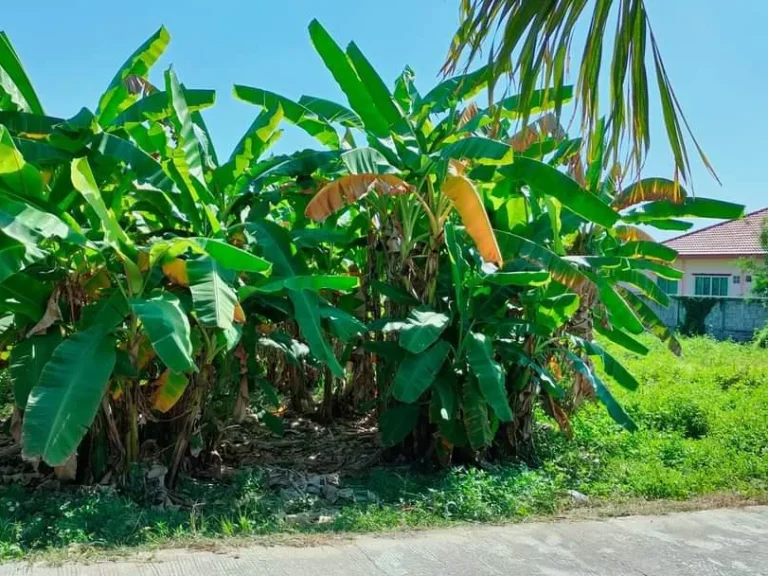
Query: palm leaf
x,y
532,41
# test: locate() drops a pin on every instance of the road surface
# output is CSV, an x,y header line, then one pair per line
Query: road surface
x,y
712,543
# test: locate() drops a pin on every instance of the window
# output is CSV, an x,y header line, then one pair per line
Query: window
x,y
748,278
711,286
737,279
667,286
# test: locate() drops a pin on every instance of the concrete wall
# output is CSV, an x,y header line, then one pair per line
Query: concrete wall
x,y
730,318
692,265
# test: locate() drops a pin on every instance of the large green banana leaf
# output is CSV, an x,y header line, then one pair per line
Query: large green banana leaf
x,y
513,246
644,283
167,326
342,324
214,300
276,245
611,366
451,92
396,423
422,329
489,374
14,81
651,321
645,249
459,268
155,106
602,392
147,169
261,134
187,158
232,257
417,372
15,256
624,340
548,181
63,404
16,174
25,295
479,149
380,94
118,97
293,112
475,415
26,363
29,225
84,182
340,67
331,111
691,207
314,282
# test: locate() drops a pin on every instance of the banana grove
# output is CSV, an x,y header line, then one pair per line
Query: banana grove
x,y
430,260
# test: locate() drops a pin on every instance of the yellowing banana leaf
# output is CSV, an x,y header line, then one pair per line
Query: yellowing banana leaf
x,y
632,234
176,272
239,316
647,190
470,207
168,390
349,189
646,249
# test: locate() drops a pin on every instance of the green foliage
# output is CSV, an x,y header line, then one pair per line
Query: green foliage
x,y
696,312
467,256
713,443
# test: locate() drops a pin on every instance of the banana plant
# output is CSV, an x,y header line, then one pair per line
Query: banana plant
x,y
120,223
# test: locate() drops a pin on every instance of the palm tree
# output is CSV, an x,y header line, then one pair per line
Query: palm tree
x,y
531,41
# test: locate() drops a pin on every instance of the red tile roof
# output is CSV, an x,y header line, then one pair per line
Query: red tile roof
x,y
734,237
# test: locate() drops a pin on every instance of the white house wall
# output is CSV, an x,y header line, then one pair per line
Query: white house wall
x,y
723,265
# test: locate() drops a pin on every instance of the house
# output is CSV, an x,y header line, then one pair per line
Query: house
x,y
712,258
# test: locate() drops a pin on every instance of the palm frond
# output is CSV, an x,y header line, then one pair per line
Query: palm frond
x,y
532,39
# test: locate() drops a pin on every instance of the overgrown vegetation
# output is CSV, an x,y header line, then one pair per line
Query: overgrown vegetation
x,y
449,272
696,312
702,431
443,267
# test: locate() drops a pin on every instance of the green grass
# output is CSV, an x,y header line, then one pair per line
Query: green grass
x,y
703,430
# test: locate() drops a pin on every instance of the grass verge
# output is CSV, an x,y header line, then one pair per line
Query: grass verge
x,y
703,442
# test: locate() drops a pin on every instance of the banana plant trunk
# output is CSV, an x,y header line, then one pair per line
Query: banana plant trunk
x,y
189,410
582,325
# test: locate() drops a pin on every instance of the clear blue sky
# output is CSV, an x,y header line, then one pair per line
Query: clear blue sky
x,y
714,52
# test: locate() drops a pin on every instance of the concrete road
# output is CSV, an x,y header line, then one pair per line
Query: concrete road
x,y
718,542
